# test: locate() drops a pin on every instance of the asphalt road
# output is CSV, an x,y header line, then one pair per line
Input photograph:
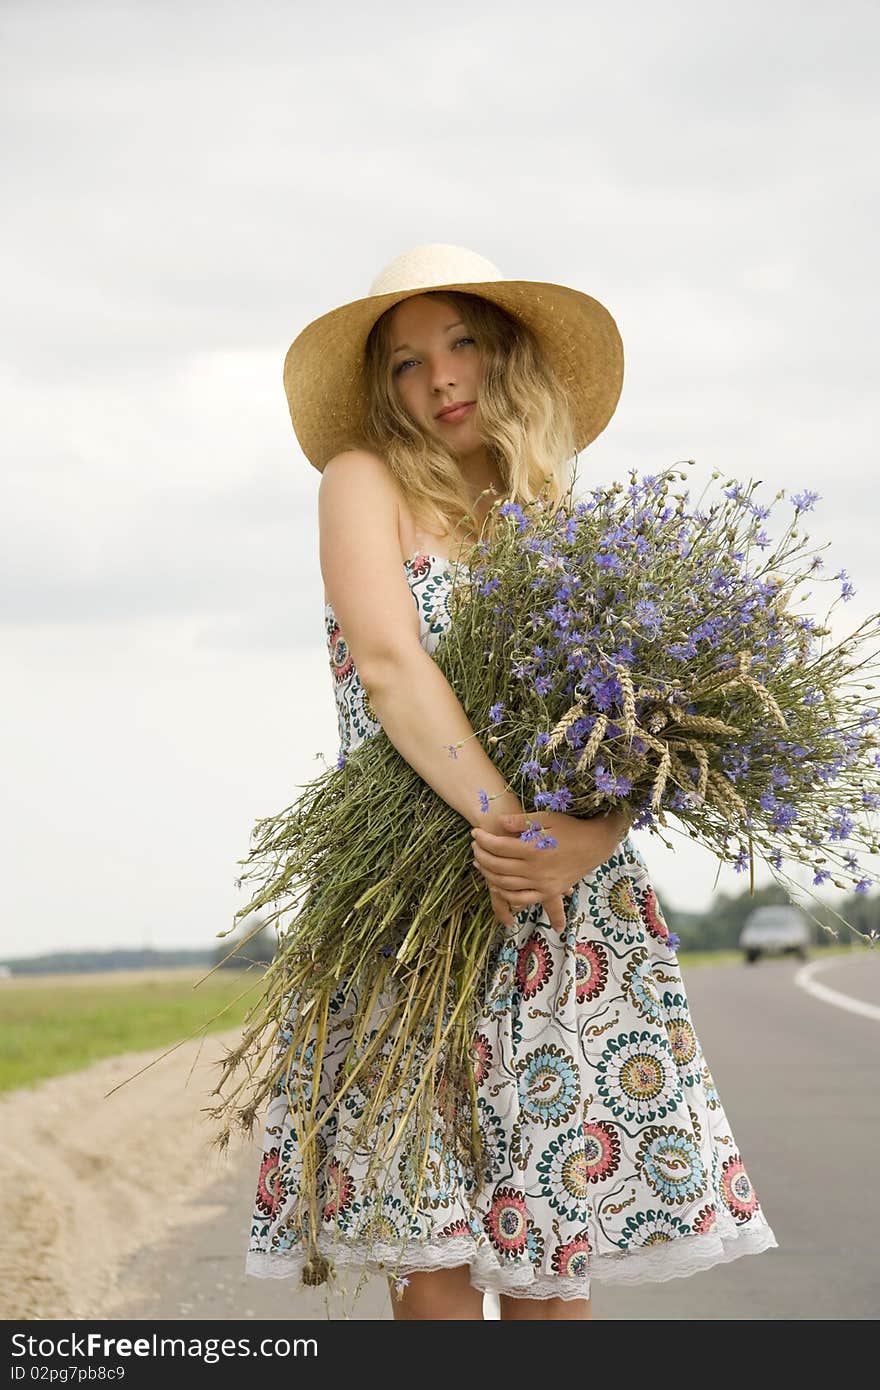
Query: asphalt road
x,y
797,1076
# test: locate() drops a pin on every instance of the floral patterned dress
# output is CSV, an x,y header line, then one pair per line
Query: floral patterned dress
x,y
612,1157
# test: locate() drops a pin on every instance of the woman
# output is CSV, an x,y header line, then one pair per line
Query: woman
x,y
422,404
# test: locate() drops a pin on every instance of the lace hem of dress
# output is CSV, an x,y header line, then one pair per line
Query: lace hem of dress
x,y
676,1259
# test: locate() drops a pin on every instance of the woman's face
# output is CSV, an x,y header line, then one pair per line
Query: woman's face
x,y
435,363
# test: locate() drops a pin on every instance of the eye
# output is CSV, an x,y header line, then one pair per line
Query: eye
x,y
406,361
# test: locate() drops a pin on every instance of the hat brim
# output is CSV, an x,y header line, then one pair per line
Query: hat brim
x,y
323,368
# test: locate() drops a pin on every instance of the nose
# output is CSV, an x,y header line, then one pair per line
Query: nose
x,y
444,373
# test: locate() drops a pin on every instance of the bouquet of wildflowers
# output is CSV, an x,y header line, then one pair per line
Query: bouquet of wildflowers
x,y
642,654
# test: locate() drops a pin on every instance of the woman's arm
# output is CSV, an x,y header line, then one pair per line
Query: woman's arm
x,y
411,698
422,715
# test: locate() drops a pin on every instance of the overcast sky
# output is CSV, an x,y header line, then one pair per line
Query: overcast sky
x,y
187,185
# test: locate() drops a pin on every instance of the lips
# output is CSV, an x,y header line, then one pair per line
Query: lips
x,y
455,412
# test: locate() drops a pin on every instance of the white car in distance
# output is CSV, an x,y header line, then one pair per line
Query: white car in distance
x,y
774,930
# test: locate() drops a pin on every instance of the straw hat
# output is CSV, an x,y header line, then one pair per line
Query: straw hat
x,y
323,371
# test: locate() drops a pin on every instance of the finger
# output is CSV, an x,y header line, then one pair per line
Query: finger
x,y
503,876
523,896
501,864
502,910
530,894
555,909
520,900
500,844
524,861
507,883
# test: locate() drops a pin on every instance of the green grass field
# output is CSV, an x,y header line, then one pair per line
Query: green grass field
x,y
62,1023
58,1024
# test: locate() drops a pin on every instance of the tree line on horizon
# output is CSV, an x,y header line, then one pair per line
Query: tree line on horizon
x,y
715,929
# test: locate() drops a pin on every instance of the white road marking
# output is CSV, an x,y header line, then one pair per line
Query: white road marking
x,y
804,980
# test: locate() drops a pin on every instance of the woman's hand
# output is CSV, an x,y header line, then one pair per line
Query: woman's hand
x,y
520,874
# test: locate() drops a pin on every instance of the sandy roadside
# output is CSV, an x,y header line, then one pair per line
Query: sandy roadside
x,y
86,1179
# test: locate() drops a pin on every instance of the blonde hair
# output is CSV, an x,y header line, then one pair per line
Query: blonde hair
x,y
522,414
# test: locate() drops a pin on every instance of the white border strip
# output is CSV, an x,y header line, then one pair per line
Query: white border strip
x,y
804,980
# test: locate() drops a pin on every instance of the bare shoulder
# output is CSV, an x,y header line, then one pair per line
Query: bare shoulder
x,y
358,502
359,468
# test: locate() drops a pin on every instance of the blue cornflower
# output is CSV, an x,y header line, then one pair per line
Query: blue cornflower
x,y
683,650
784,815
847,591
495,712
844,824
804,500
484,801
515,510
605,780
560,615
532,832
646,613
625,653
560,800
